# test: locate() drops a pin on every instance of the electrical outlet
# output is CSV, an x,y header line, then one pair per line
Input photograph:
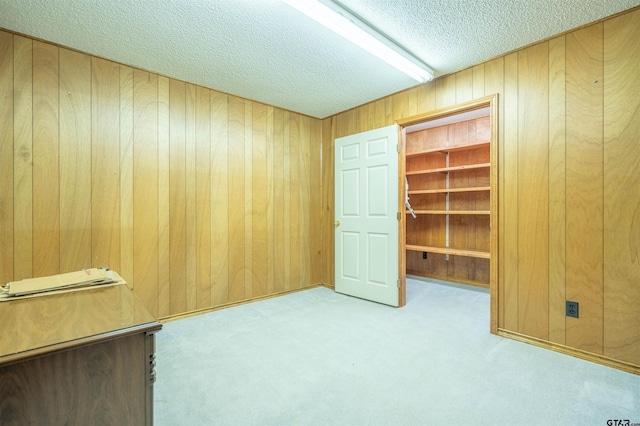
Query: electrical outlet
x,y
572,309
424,254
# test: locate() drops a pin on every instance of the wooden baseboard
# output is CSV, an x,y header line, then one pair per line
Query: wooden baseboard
x,y
588,356
328,285
170,318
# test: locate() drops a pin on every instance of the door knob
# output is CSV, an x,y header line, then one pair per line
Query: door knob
x,y
336,223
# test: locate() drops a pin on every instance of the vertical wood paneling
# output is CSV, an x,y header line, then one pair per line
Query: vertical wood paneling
x,y
269,139
46,171
494,85
155,178
478,82
464,85
203,197
557,192
445,91
584,200
105,163
622,187
306,258
191,288
295,217
366,116
314,189
248,198
533,191
177,196
6,157
146,250
400,105
222,213
236,199
22,158
126,174
426,98
164,256
286,143
75,161
328,245
259,204
278,204
509,192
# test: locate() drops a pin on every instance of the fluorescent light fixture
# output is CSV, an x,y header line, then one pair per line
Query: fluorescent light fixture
x,y
348,26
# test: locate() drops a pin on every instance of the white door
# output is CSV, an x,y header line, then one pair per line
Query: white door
x,y
366,223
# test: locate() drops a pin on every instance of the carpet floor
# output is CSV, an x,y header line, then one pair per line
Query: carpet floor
x,y
317,357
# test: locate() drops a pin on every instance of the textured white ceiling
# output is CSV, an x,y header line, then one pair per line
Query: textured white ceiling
x,y
266,51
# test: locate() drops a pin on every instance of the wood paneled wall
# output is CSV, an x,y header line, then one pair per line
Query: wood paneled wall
x,y
197,198
569,186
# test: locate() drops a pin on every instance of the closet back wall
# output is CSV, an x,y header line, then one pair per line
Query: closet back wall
x,y
197,198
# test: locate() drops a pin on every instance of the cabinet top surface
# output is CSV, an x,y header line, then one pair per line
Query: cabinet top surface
x,y
41,324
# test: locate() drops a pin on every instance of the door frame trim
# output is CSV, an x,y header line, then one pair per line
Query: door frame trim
x,y
494,282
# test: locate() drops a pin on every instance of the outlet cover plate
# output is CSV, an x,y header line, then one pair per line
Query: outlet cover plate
x,y
572,309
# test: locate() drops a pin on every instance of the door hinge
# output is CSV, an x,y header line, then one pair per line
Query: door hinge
x,y
398,216
398,148
398,283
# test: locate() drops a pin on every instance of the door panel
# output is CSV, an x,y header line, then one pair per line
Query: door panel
x,y
366,233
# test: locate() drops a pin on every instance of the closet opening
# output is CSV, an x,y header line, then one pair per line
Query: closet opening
x,y
448,192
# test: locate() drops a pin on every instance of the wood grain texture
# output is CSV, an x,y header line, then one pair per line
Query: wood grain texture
x,y
464,86
295,217
534,221
314,188
468,232
494,85
163,164
177,196
105,164
584,196
236,224
6,157
445,91
61,374
203,197
304,175
126,174
248,199
557,190
270,172
221,211
622,187
286,142
509,193
533,191
278,202
328,204
171,175
191,286
71,387
478,83
75,161
259,191
46,160
22,158
145,190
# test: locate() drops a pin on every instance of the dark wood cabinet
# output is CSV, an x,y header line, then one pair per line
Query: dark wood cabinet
x,y
77,358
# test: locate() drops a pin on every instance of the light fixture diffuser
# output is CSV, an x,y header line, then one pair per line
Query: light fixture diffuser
x,y
353,29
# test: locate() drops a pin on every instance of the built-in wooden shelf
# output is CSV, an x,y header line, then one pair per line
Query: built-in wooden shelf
x,y
449,169
452,212
449,250
446,149
450,190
